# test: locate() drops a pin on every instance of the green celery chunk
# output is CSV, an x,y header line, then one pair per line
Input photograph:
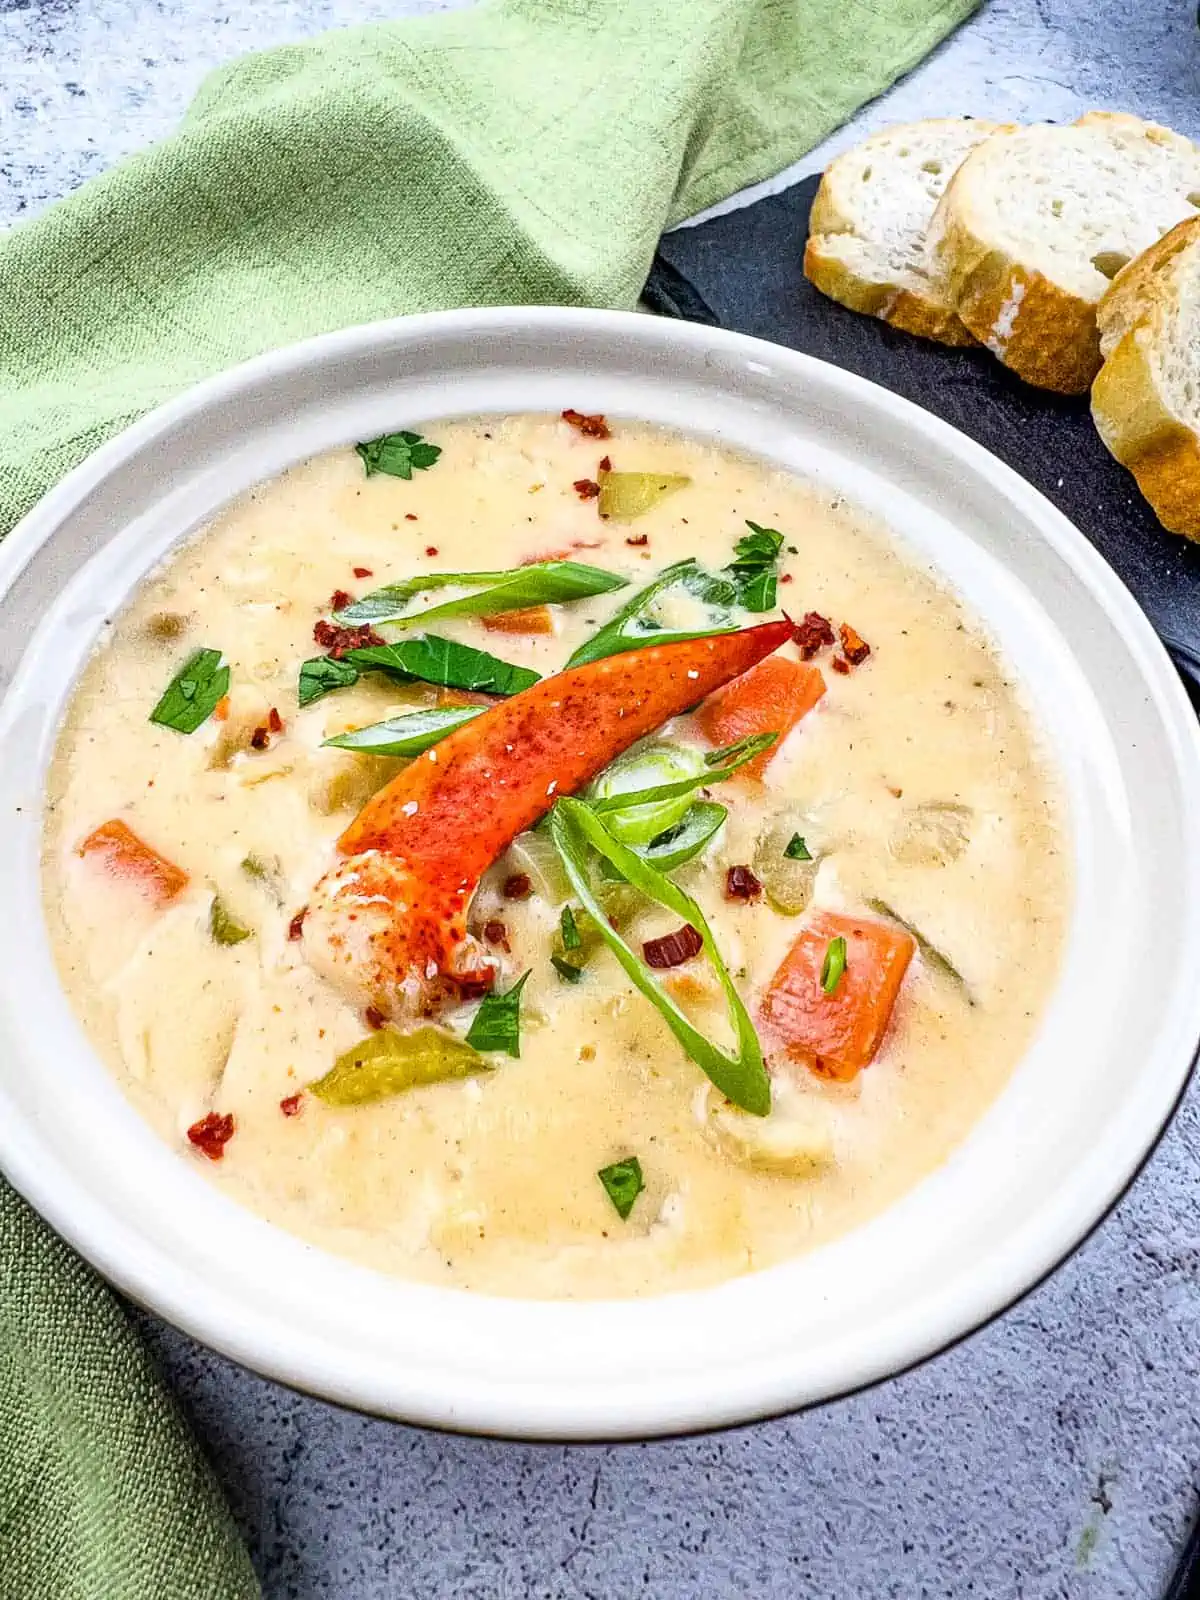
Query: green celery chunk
x,y
388,1062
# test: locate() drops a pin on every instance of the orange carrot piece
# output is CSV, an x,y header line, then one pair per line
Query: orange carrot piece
x,y
533,619
837,1035
772,696
126,856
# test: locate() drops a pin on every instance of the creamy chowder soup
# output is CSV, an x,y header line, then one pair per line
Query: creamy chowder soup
x,y
438,995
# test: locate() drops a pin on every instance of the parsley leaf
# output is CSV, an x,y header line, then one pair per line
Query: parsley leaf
x,y
567,970
623,1182
753,567
320,675
569,929
497,1023
398,454
797,850
191,696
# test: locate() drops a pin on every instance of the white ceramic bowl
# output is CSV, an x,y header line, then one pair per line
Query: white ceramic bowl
x,y
1082,1110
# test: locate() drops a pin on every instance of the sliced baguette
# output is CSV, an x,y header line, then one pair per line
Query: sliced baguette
x,y
1037,221
1146,399
866,243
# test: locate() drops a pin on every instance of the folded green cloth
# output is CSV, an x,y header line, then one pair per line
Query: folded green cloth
x,y
526,151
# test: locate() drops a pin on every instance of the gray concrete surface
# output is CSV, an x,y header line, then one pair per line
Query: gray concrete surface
x,y
1055,1454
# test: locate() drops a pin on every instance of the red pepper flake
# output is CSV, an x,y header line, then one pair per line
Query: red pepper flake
x,y
363,572
840,664
340,599
431,549
474,988
260,739
586,488
813,634
296,925
337,640
591,427
290,1104
741,884
211,1134
605,464
854,645
517,886
274,720
639,540
375,1018
410,516
673,949
496,933
785,577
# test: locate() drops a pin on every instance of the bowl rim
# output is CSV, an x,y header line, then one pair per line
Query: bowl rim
x,y
71,1213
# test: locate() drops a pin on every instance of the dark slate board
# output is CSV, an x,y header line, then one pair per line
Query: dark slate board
x,y
743,271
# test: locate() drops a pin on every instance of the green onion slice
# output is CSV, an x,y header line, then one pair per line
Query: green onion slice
x,y
834,964
408,735
497,1023
742,1078
544,583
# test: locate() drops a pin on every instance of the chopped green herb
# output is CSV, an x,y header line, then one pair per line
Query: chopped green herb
x,y
570,930
255,867
408,735
320,675
623,1183
635,625
753,567
566,970
792,550
497,1023
398,454
546,583
192,695
427,658
576,831
834,964
797,850
388,1062
225,928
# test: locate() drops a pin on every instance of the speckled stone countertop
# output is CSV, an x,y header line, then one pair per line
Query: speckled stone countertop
x,y
1056,1453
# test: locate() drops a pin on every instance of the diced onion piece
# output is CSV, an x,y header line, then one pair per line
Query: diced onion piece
x,y
788,882
932,834
795,1140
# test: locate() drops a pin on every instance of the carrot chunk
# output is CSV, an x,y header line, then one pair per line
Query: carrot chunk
x,y
837,1034
533,619
126,856
774,695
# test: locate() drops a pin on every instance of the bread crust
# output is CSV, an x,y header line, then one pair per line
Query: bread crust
x,y
927,316
1131,414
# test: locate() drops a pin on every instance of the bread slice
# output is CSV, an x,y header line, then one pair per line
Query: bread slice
x,y
1146,399
1037,221
866,243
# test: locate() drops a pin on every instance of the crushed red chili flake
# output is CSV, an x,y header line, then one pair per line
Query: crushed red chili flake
x,y
431,549
340,599
496,933
517,886
410,516
840,664
741,884
638,540
211,1134
290,1104
338,640
591,427
274,720
605,464
854,646
785,577
812,634
363,572
375,1018
260,739
296,925
586,488
475,988
673,949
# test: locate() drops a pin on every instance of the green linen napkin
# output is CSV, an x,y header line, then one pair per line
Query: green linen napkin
x,y
526,151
